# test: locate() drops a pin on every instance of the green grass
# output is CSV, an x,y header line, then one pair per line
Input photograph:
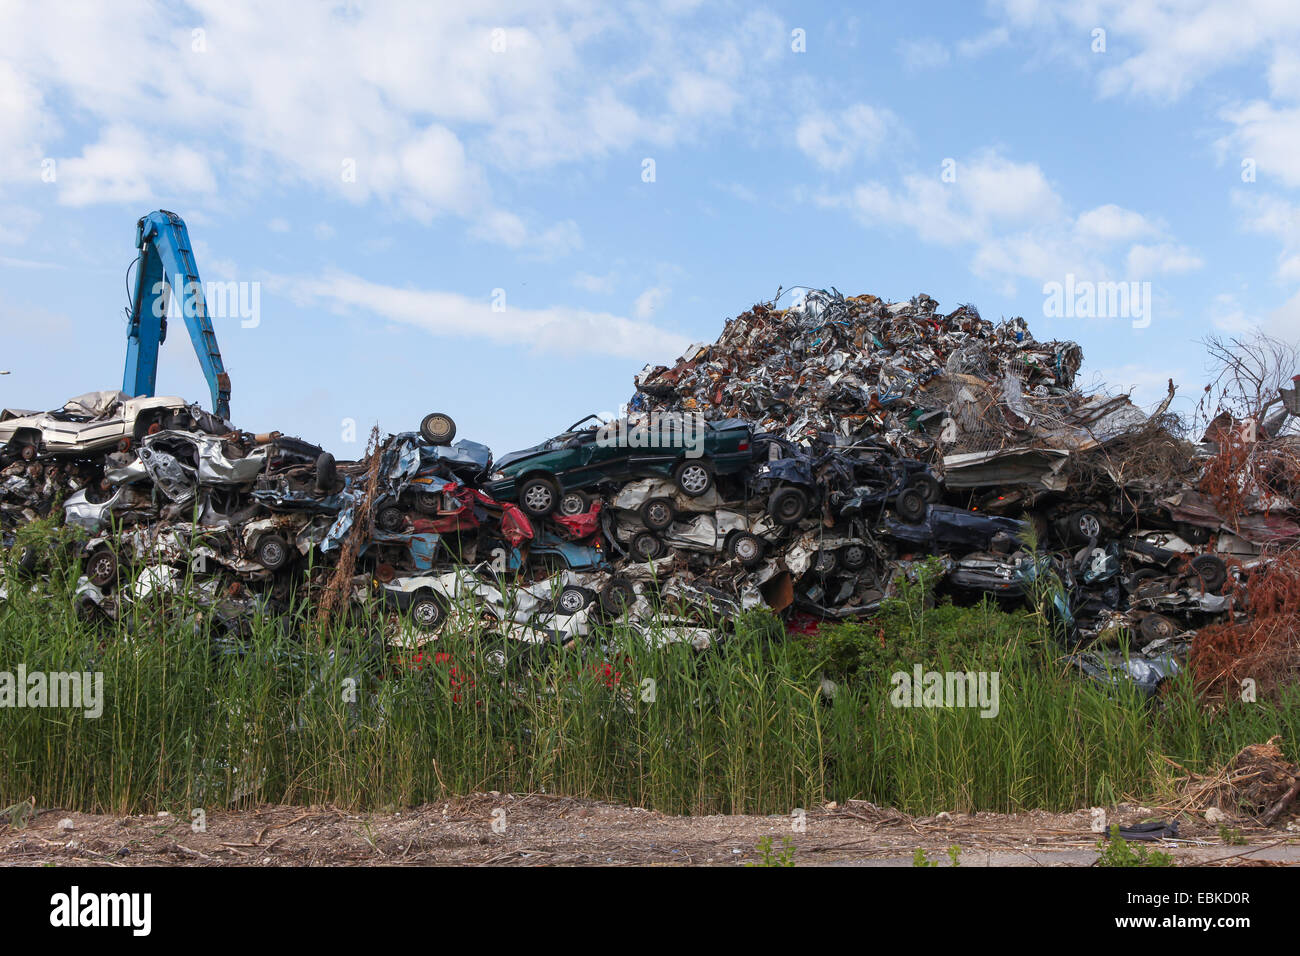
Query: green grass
x,y
741,728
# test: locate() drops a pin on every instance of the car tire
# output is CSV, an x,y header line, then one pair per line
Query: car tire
x,y
27,451
573,503
1156,626
1212,572
745,548
1138,579
1083,526
272,552
101,568
694,477
437,428
427,611
855,557
390,518
788,505
617,596
910,505
825,562
658,513
646,546
538,497
326,472
928,486
572,600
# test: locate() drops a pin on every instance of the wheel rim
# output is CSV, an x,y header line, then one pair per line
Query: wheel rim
x,y
647,547
438,426
571,505
538,498
272,553
695,478
571,602
746,549
101,569
1089,526
855,556
790,506
657,513
426,613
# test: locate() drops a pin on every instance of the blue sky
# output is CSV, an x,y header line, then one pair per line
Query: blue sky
x,y
501,151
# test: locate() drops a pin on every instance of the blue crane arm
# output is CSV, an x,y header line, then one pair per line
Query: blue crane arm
x,y
168,280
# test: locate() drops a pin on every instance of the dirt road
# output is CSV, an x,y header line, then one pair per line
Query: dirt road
x,y
541,829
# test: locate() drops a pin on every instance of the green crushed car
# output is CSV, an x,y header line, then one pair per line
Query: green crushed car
x,y
554,475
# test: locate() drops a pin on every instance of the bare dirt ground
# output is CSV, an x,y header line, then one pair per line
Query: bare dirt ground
x,y
542,829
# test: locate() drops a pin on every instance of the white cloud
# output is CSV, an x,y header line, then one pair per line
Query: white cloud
x,y
596,285
649,301
278,225
1163,258
924,54
125,165
323,231
289,93
1015,222
985,42
552,329
1111,223
1269,135
833,142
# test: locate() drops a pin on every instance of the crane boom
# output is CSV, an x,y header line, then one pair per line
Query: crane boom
x,y
167,274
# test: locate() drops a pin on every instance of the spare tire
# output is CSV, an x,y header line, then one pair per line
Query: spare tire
x,y
326,472
437,428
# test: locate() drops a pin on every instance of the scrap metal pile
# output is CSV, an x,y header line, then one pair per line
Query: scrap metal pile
x,y
804,462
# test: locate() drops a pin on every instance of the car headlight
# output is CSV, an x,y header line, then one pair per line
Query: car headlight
x,y
497,476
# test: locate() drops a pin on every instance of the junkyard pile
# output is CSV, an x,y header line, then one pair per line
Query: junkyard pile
x,y
803,462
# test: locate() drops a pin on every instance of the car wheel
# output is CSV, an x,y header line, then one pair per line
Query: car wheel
x,y
572,600
437,428
1156,626
1084,525
27,452
825,562
1212,572
617,596
101,568
425,502
787,505
390,518
693,478
746,548
910,505
1138,579
658,513
854,557
272,552
646,546
428,611
573,503
326,472
929,488
538,497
